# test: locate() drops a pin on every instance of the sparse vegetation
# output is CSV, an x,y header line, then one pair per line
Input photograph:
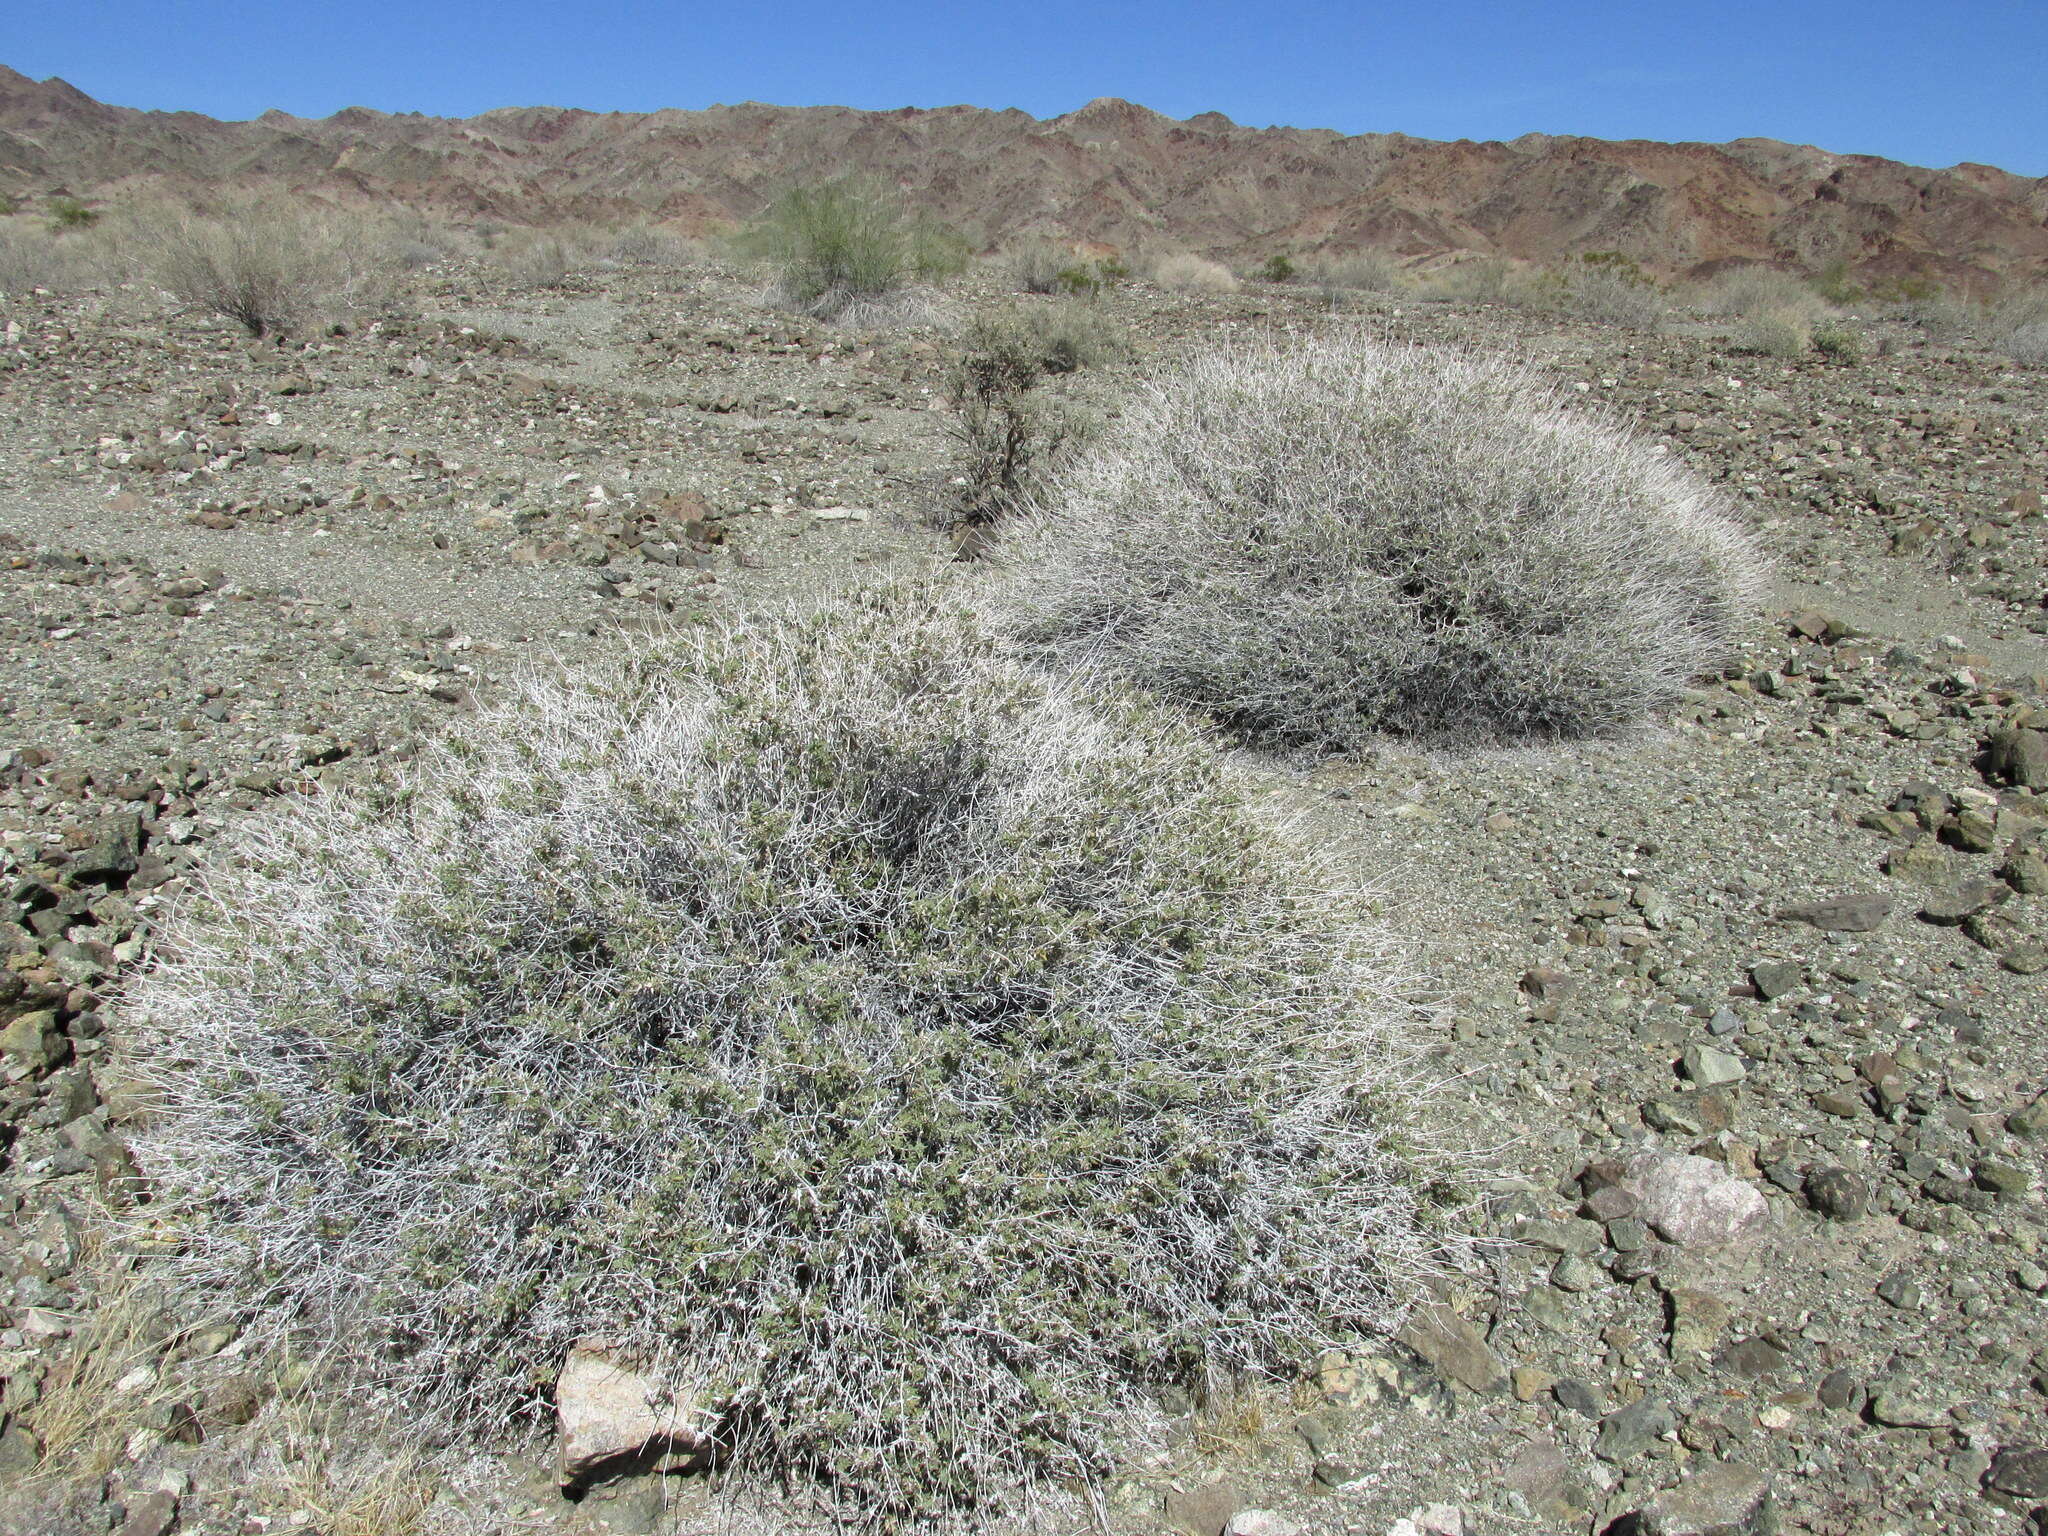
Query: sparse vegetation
x,y
1363,272
1193,274
849,253
1780,333
266,262
916,1059
1322,543
1836,285
1748,292
1837,343
1037,266
1605,286
1276,269
32,258
1007,438
541,261
68,213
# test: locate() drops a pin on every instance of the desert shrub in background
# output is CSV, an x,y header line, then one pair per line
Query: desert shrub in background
x,y
1192,274
1604,286
1739,292
33,257
1362,272
1835,285
1320,543
1005,438
539,261
1781,333
268,262
850,253
642,246
2016,323
1837,343
1035,266
913,1058
1477,280
68,213
1276,269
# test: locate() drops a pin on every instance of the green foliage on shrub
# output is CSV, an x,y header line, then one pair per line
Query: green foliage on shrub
x,y
913,1058
70,213
1277,269
1322,543
1005,438
1838,344
1834,283
844,246
1780,333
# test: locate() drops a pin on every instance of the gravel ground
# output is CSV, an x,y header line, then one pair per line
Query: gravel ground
x,y
1778,961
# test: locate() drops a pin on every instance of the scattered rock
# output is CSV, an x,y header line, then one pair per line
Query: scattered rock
x,y
613,1418
1628,1432
1453,1348
1723,1498
1863,912
1692,1201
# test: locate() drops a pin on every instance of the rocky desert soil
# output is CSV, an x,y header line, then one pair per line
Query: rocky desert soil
x,y
1743,1019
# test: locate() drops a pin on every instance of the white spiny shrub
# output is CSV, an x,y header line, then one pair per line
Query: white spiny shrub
x,y
917,1057
1323,541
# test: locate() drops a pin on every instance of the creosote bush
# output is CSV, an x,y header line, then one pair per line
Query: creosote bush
x,y
1192,274
1340,538
850,253
1780,333
267,262
914,1058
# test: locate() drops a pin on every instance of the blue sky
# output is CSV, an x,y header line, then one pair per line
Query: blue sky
x,y
1927,83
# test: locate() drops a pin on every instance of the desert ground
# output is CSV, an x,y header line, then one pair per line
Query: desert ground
x,y
1796,931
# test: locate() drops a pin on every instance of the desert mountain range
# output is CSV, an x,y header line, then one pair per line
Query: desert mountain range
x,y
1111,175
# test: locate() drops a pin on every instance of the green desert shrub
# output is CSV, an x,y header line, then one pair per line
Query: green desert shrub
x,y
1276,269
71,213
1781,333
851,253
1837,343
915,1060
1607,287
1836,285
1319,543
269,263
1005,437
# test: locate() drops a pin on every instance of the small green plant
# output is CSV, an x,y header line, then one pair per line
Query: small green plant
x,y
1837,343
1038,266
1277,269
9,204
846,247
1904,288
68,213
1780,333
1834,284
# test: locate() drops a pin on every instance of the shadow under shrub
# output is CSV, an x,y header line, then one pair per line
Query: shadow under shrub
x,y
917,1057
1343,538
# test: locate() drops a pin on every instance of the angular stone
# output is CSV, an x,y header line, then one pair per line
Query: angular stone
x,y
1628,1432
1903,1405
1837,1194
1453,1348
34,1040
1205,1510
2018,757
1711,1068
1260,1522
1723,1498
1696,1320
1692,1201
1966,898
2020,1471
1774,978
154,1514
1862,912
614,1418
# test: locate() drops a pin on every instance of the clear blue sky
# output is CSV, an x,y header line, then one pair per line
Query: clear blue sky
x,y
1931,82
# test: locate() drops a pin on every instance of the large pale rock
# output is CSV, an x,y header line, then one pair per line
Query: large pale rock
x,y
1454,1348
1693,1201
1721,1499
614,1419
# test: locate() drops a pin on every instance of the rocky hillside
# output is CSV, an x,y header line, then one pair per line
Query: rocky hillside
x,y
1111,173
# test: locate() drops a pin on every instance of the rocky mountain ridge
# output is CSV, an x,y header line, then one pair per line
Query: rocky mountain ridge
x,y
1111,174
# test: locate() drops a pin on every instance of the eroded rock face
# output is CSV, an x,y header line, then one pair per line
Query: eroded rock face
x,y
615,1419
1693,1201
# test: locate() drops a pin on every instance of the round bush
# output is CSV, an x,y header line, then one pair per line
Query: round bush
x,y
1342,538
917,1057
